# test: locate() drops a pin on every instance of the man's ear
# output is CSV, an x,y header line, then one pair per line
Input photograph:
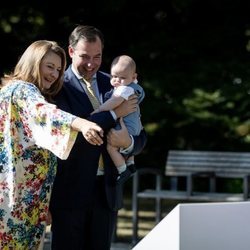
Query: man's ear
x,y
70,51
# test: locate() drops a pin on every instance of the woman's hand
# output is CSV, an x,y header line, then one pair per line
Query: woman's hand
x,y
92,132
49,219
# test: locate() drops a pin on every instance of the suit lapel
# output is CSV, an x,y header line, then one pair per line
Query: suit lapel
x,y
78,90
103,83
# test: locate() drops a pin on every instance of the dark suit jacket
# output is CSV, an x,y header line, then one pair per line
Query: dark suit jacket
x,y
75,180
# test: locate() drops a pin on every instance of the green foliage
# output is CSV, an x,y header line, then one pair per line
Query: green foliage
x,y
192,59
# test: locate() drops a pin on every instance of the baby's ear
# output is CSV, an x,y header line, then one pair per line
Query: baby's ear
x,y
135,78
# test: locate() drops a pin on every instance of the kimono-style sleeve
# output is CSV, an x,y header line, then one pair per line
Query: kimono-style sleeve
x,y
42,123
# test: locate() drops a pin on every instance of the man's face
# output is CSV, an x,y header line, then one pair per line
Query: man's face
x,y
86,57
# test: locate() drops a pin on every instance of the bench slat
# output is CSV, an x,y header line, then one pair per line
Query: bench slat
x,y
196,196
193,164
227,163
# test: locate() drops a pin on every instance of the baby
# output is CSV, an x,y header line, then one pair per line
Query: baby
x,y
124,81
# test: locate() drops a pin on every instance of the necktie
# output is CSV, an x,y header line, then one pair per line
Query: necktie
x,y
95,103
91,94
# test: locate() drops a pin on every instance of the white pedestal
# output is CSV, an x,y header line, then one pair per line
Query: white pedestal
x,y
202,226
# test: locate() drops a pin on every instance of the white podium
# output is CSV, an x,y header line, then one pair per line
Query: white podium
x,y
201,226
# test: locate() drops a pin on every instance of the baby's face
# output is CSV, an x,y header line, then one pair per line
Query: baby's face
x,y
121,76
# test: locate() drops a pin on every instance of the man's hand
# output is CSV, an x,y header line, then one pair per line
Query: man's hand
x,y
119,138
127,107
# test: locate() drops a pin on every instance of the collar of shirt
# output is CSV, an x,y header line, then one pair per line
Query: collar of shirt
x,y
95,87
93,79
93,82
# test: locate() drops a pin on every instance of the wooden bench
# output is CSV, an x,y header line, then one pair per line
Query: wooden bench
x,y
191,166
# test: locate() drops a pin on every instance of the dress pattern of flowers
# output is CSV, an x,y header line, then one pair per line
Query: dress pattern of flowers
x,y
32,133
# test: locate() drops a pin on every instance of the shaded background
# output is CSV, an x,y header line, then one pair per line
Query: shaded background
x,y
192,59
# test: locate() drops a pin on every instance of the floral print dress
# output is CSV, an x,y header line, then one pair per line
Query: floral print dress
x,y
32,133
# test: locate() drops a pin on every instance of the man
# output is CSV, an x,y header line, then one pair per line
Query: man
x,y
85,197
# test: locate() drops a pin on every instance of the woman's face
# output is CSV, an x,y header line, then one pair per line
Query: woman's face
x,y
50,68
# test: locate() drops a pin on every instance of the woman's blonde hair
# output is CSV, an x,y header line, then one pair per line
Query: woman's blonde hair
x,y
28,66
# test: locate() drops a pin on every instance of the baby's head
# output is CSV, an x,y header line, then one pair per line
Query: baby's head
x,y
123,71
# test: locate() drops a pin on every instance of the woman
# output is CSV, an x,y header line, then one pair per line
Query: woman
x,y
33,132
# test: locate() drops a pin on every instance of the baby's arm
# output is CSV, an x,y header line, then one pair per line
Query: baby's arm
x,y
110,104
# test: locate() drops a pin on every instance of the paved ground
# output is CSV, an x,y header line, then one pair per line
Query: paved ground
x,y
124,225
115,246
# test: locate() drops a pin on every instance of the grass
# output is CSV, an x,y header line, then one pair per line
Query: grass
x,y
146,221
